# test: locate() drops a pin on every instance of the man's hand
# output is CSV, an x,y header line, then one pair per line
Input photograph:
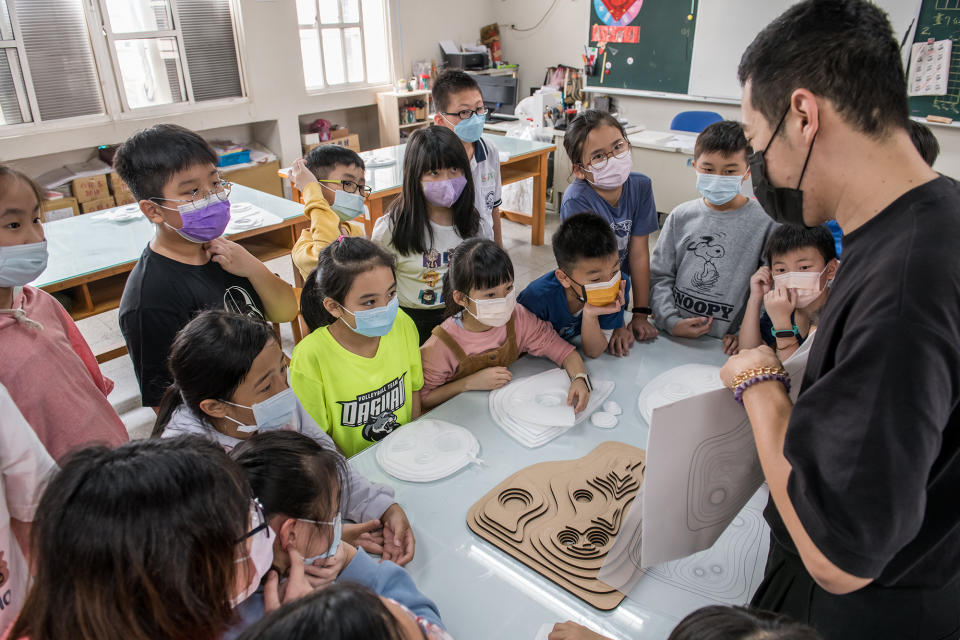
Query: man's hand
x,y
620,342
693,327
300,176
398,540
780,304
642,329
748,359
731,344
233,258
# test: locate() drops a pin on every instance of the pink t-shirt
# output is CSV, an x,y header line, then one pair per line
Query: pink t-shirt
x,y
25,466
534,336
54,378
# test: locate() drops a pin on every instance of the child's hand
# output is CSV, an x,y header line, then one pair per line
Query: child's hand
x,y
398,541
760,283
324,571
620,342
780,304
613,307
300,176
731,344
579,395
295,587
233,258
488,379
573,631
367,535
693,327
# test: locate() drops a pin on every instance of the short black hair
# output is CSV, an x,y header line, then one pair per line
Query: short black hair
x,y
925,142
842,50
790,237
322,160
150,157
476,263
717,622
584,235
577,131
449,83
726,137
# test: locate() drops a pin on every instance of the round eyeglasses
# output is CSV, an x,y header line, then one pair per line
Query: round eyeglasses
x,y
221,190
350,186
599,160
466,113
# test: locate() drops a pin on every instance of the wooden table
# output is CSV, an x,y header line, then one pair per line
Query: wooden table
x,y
519,160
92,255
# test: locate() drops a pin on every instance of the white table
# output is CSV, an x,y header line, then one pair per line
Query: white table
x,y
482,592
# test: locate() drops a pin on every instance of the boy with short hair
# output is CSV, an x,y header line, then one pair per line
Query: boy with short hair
x,y
187,267
459,104
709,247
585,294
331,179
786,297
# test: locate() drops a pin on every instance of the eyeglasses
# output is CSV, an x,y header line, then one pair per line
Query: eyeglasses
x,y
258,521
599,160
351,187
466,113
221,189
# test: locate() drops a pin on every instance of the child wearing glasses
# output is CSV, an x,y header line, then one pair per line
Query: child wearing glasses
x,y
605,184
459,104
187,267
331,180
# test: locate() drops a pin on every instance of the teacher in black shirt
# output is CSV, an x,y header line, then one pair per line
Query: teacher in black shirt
x,y
864,471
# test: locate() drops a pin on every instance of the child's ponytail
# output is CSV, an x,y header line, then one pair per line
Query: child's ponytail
x,y
338,265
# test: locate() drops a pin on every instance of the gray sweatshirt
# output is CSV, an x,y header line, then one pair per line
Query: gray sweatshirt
x,y
366,500
703,261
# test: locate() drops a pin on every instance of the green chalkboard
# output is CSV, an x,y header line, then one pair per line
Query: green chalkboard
x,y
660,60
940,20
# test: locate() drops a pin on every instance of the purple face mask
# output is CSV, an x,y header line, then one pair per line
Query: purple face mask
x,y
443,193
205,221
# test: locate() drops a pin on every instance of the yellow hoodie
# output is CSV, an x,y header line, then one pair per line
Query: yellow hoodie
x,y
325,227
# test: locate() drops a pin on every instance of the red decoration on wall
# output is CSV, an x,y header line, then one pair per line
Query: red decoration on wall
x,y
618,7
603,33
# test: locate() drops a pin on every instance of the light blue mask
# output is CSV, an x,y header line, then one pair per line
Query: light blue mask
x,y
21,264
348,206
375,323
334,543
469,130
273,414
717,189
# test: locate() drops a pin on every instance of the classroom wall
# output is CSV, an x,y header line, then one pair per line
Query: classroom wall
x,y
424,23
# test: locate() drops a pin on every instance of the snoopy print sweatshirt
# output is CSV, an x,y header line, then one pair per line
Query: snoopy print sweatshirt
x,y
703,261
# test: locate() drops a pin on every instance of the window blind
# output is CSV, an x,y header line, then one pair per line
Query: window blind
x,y
207,30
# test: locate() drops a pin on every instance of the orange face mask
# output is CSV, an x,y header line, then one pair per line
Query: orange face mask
x,y
601,294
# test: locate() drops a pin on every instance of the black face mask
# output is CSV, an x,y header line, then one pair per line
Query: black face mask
x,y
783,204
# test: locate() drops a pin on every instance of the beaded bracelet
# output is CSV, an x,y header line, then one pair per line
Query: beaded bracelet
x,y
746,379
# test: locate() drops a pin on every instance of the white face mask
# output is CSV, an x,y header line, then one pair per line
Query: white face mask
x,y
273,414
805,285
494,312
337,525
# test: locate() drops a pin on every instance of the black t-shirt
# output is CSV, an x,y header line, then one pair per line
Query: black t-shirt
x,y
160,297
874,439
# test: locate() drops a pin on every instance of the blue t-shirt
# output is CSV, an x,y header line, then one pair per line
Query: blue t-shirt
x,y
546,299
634,215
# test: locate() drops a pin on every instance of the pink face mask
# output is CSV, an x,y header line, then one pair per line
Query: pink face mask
x,y
805,285
614,173
443,193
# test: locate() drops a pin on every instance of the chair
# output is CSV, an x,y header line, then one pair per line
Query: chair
x,y
694,121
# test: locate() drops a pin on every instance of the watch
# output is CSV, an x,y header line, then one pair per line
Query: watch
x,y
644,310
586,378
785,333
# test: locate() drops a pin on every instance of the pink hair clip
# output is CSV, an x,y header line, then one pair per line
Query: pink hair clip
x,y
340,239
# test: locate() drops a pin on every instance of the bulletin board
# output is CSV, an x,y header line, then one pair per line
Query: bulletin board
x,y
940,20
650,43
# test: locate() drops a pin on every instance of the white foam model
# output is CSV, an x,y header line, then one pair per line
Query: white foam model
x,y
612,407
511,417
604,420
245,216
676,384
427,450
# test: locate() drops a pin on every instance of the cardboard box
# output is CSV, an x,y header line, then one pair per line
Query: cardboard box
x,y
309,138
124,197
98,204
58,209
116,184
342,132
351,141
90,188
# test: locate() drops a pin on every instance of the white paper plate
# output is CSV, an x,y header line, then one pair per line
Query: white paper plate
x,y
676,384
427,450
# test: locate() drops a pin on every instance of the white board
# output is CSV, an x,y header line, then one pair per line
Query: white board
x,y
725,28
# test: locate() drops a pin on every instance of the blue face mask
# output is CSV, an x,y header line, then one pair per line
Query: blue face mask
x,y
273,414
469,130
375,323
717,189
348,206
21,264
334,543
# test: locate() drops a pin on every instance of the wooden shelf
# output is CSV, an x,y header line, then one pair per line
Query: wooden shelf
x,y
418,123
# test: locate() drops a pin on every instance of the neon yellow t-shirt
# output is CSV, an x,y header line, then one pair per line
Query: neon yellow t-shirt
x,y
358,400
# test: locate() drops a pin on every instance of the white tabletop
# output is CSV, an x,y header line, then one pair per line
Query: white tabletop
x,y
482,592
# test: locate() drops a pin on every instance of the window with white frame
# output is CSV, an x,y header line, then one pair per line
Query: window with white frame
x,y
343,42
69,58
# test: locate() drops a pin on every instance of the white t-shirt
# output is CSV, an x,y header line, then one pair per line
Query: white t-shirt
x,y
485,167
25,467
420,275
